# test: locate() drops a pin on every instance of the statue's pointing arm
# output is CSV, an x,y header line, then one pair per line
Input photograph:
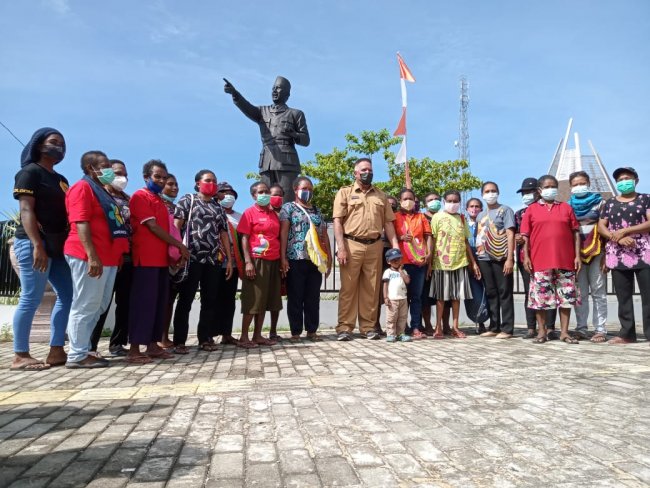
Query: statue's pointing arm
x,y
248,109
301,137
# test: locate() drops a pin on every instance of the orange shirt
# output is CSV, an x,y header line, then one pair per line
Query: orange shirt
x,y
418,225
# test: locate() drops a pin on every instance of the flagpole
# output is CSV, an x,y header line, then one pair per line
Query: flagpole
x,y
405,75
407,172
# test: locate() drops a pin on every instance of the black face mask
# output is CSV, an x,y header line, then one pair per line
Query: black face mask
x,y
366,178
55,152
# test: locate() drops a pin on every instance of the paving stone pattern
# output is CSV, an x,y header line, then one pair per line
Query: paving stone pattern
x,y
452,413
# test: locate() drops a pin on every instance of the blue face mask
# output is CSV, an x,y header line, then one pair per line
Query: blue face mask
x,y
305,196
434,205
527,199
153,187
167,198
263,199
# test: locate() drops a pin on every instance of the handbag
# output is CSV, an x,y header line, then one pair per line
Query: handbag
x,y
178,275
495,243
591,246
312,245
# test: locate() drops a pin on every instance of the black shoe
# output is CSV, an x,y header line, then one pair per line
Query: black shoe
x,y
553,335
117,351
344,336
373,336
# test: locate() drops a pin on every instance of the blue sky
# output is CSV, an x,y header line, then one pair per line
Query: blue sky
x,y
142,80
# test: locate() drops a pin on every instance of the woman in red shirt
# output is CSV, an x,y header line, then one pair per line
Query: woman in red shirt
x,y
414,235
98,238
259,229
552,257
150,287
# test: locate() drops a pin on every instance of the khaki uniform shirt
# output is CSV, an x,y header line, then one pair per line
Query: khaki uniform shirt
x,y
363,214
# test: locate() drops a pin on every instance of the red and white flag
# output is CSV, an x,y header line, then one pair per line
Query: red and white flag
x,y
404,75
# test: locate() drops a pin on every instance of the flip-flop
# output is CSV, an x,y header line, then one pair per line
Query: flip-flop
x,y
438,336
34,366
458,334
247,345
570,340
265,342
314,338
275,337
208,347
539,340
229,341
181,350
598,338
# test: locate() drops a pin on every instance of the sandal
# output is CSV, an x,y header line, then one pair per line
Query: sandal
x,y
138,359
247,345
229,340
181,350
458,334
418,335
35,365
264,342
274,337
570,340
620,340
439,336
314,337
581,336
295,339
161,355
599,338
540,340
531,334
208,347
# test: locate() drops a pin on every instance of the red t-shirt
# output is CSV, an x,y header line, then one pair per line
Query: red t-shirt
x,y
83,206
148,250
418,225
263,229
551,235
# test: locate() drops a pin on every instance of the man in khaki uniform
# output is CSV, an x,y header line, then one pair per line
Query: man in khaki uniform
x,y
361,212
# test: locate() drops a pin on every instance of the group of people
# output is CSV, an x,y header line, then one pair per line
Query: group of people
x,y
92,241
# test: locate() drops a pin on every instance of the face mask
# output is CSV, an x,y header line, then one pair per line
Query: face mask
x,y
153,187
580,190
55,152
451,207
549,194
105,176
473,212
263,199
119,183
365,178
408,205
167,198
527,199
276,201
625,186
434,205
490,197
228,201
208,188
305,196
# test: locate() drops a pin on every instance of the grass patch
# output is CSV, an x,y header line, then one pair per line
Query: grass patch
x,y
9,300
6,333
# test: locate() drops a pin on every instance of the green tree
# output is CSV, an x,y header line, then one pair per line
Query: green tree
x,y
330,172
428,175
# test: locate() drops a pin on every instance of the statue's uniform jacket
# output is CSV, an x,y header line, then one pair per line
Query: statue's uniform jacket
x,y
279,150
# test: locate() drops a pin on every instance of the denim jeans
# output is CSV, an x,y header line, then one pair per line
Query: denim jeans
x,y
418,275
32,285
91,297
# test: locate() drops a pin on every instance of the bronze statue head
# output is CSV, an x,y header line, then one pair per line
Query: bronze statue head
x,y
281,90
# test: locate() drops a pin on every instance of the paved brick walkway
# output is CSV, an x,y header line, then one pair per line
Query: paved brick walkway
x,y
474,412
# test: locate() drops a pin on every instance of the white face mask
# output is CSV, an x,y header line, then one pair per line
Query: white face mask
x,y
452,207
228,201
490,197
527,199
549,194
119,182
580,190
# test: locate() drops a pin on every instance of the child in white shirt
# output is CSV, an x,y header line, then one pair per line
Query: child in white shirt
x,y
395,280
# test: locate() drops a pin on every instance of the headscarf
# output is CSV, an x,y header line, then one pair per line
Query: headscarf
x,y
587,206
31,152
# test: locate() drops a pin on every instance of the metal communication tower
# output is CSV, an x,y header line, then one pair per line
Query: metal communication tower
x,y
463,129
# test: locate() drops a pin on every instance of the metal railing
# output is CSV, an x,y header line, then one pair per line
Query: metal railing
x,y
9,282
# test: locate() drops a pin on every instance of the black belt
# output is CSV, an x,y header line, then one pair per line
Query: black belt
x,y
362,241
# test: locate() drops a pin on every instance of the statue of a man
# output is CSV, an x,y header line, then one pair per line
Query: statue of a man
x,y
281,128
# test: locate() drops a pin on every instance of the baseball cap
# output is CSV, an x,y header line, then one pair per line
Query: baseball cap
x,y
528,184
225,186
393,254
625,169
